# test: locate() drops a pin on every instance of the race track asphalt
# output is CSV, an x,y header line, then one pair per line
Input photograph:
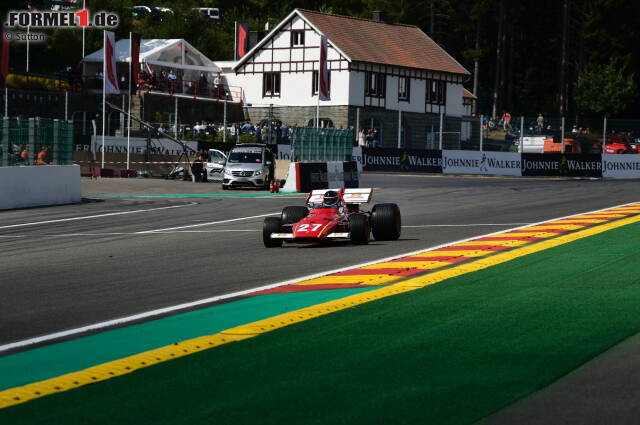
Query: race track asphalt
x,y
58,275
64,267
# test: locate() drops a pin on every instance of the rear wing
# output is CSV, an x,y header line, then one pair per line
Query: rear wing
x,y
349,196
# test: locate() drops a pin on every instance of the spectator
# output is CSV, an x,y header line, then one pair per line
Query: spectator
x,y
198,170
217,86
247,127
506,121
284,134
202,85
540,123
258,132
361,138
43,157
376,138
25,155
172,78
369,138
574,130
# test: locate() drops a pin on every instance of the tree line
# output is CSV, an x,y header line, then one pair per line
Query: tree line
x,y
571,58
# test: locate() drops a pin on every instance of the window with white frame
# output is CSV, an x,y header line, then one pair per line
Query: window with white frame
x,y
314,83
436,92
297,38
404,89
375,84
271,84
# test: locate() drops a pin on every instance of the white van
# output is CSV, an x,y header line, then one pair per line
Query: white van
x,y
212,13
531,144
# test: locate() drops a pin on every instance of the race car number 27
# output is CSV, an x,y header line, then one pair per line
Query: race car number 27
x,y
306,227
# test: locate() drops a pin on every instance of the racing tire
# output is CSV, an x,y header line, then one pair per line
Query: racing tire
x,y
271,225
225,187
359,229
293,214
386,222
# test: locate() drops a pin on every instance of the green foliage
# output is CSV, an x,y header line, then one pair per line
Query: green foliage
x,y
219,136
247,138
605,89
598,30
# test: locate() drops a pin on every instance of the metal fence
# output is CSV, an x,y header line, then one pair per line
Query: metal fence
x,y
321,144
23,139
541,134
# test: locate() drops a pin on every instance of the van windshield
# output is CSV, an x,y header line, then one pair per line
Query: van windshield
x,y
245,157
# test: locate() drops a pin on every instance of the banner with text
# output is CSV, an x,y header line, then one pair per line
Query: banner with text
x,y
621,166
476,162
391,159
137,145
569,165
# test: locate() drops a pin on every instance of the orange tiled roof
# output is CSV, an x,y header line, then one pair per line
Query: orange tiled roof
x,y
364,40
467,94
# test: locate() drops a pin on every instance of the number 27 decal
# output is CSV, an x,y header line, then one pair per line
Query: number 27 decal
x,y
306,227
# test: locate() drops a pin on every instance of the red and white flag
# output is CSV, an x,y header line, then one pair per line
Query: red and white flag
x,y
323,74
110,77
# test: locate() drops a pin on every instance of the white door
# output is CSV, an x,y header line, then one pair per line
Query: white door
x,y
215,164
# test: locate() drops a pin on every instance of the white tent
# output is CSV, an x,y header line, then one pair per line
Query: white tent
x,y
171,53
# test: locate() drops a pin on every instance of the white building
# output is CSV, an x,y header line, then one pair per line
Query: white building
x,y
380,75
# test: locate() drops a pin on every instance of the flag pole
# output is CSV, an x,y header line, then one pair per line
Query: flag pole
x,y
84,7
104,88
28,48
130,78
318,104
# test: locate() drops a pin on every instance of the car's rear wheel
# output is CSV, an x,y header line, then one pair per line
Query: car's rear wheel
x,y
359,229
271,225
386,222
293,214
225,187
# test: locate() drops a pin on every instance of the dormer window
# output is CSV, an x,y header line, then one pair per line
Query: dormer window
x,y
297,38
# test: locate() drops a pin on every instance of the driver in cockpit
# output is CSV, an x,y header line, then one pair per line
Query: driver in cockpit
x,y
331,199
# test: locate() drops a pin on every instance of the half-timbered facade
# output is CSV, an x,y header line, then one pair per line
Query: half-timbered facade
x,y
381,75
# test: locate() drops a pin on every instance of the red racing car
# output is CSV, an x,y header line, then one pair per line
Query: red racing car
x,y
333,214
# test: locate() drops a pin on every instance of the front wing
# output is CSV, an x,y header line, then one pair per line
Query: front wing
x,y
289,236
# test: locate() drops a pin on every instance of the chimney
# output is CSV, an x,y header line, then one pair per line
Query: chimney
x,y
379,16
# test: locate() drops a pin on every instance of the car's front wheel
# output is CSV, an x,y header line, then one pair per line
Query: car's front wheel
x,y
386,222
293,214
271,225
359,229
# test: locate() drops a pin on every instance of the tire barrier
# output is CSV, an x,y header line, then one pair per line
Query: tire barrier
x,y
308,176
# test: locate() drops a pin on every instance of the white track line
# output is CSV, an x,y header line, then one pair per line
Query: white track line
x,y
145,315
207,224
94,216
470,225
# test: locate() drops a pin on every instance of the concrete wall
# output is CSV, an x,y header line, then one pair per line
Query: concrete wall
x,y
22,187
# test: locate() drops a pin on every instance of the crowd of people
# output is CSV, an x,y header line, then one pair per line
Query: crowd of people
x,y
275,132
166,81
20,155
369,137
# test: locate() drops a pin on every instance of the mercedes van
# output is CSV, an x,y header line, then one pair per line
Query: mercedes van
x,y
248,165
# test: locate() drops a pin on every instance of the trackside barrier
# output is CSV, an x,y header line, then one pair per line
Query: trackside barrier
x,y
307,176
615,166
621,166
30,186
